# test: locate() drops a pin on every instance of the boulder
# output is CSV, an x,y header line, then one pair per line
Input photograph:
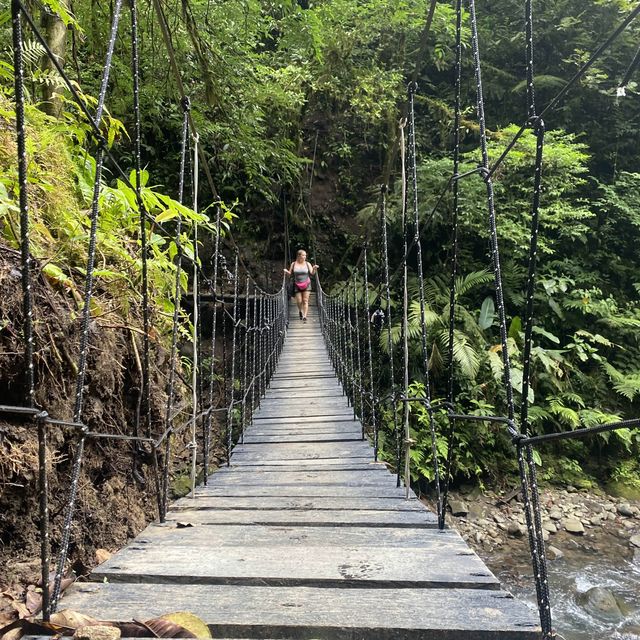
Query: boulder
x,y
635,540
515,529
458,508
626,510
549,526
553,553
573,525
555,514
601,603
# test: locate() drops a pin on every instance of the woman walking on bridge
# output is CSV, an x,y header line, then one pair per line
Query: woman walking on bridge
x,y
301,272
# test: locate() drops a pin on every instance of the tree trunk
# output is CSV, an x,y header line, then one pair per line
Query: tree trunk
x,y
55,32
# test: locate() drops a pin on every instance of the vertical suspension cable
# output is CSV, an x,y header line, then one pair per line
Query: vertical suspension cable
x,y
254,349
196,322
423,329
86,312
493,233
245,359
405,323
451,398
528,472
387,289
176,316
212,363
374,422
27,302
359,395
233,361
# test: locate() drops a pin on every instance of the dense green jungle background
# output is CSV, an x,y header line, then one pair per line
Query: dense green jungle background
x,y
297,107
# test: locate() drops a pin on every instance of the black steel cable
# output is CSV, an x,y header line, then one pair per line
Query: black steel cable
x,y
451,431
367,310
176,312
493,234
423,329
86,312
233,362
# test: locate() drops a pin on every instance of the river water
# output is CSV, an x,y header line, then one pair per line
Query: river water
x,y
611,567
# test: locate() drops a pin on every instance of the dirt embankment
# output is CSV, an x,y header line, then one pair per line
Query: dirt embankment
x,y
117,485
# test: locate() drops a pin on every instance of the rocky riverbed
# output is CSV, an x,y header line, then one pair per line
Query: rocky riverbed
x,y
593,550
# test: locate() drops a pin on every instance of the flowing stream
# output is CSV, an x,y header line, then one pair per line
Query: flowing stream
x,y
570,578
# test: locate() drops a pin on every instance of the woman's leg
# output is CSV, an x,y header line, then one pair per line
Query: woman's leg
x,y
305,303
299,302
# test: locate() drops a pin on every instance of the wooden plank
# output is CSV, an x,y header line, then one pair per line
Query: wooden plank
x,y
302,613
302,463
342,503
326,518
340,478
307,437
312,383
327,464
314,401
277,536
309,421
437,567
302,451
308,425
296,491
284,411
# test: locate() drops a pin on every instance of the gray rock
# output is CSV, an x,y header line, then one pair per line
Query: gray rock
x,y
549,526
553,553
97,632
594,506
601,603
555,514
635,540
458,508
625,510
498,517
515,529
573,525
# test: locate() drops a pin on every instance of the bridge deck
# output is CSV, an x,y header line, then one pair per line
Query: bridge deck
x,y
303,536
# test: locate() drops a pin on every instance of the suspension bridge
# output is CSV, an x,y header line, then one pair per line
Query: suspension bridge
x,y
305,536
304,533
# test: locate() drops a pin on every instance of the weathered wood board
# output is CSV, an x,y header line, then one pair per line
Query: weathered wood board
x,y
303,613
439,566
167,534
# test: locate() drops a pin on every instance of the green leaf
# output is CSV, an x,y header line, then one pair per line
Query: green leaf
x,y
167,214
543,332
515,327
487,313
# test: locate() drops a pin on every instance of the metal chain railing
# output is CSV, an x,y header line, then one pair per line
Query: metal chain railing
x,y
259,337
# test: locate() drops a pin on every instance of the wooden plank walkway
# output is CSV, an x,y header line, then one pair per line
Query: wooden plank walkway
x,y
304,537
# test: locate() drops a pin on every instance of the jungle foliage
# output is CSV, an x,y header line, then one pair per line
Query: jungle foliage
x,y
298,102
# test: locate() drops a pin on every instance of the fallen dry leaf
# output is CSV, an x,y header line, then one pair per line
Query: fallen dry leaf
x,y
72,619
102,555
190,622
164,628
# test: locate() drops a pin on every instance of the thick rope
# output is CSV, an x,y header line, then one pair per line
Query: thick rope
x,y
371,394
233,362
454,260
176,316
27,298
86,312
423,328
